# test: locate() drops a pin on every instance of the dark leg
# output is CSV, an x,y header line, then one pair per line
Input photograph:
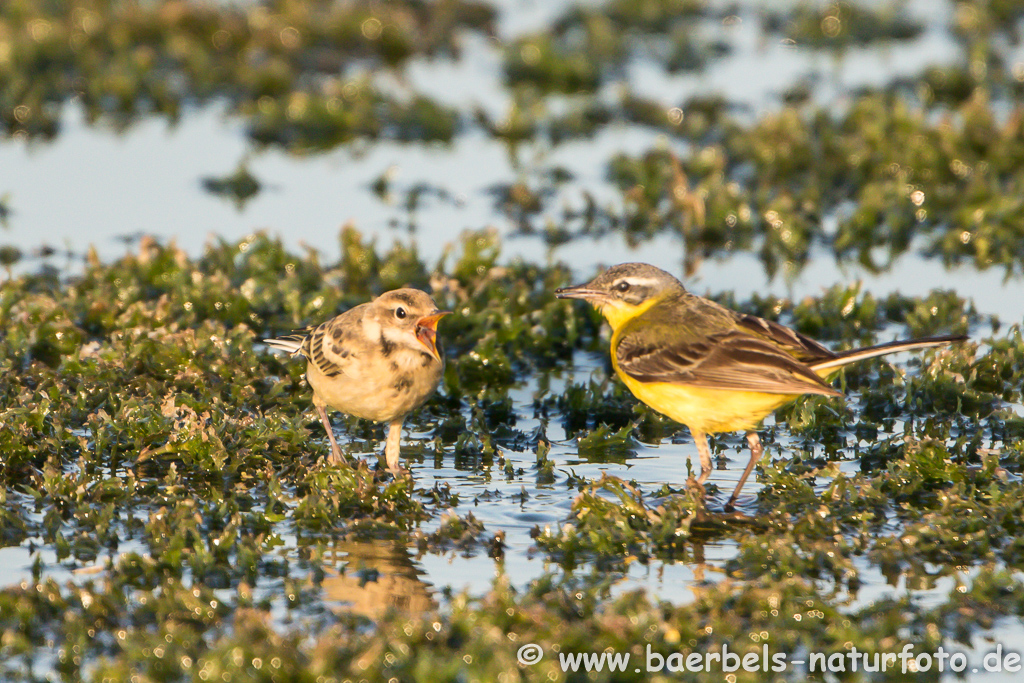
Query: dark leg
x,y
755,455
335,457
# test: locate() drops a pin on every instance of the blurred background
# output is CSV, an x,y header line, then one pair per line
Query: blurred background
x,y
774,147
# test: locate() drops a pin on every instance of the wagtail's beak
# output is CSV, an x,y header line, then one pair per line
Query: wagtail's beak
x,y
426,331
581,292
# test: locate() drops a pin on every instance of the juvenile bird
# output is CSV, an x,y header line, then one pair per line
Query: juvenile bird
x,y
378,361
711,368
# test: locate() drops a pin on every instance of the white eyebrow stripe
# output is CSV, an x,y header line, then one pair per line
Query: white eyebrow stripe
x,y
641,281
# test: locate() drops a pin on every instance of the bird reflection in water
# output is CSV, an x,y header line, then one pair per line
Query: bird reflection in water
x,y
378,576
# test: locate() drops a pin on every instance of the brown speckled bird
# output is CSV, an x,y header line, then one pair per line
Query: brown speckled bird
x,y
378,361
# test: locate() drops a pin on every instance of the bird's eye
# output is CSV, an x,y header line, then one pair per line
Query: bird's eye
x,y
622,286
400,313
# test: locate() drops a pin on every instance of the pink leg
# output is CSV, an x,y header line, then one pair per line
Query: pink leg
x,y
393,443
700,439
335,457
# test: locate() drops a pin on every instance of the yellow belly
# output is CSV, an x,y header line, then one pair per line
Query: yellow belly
x,y
707,410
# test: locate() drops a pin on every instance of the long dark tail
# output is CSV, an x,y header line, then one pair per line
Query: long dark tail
x,y
847,357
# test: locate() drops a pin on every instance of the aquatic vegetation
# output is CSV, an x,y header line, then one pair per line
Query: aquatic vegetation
x,y
483,635
920,164
539,62
841,24
5,210
590,45
147,437
281,64
887,172
163,503
240,186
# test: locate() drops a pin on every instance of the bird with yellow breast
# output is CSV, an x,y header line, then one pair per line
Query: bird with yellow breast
x,y
711,368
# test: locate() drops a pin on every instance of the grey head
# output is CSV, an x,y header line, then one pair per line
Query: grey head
x,y
627,283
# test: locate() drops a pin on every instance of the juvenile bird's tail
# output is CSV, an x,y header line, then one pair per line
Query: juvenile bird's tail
x,y
292,344
847,357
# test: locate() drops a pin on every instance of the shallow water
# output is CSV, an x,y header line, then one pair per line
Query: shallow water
x,y
92,186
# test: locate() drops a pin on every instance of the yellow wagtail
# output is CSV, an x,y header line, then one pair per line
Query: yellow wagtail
x,y
378,361
706,366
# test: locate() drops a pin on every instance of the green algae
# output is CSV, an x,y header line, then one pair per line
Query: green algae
x,y
538,61
941,186
483,635
924,161
277,63
163,469
5,210
839,24
588,46
239,186
147,434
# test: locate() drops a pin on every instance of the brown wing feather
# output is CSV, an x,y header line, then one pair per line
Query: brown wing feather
x,y
730,360
332,346
317,351
802,348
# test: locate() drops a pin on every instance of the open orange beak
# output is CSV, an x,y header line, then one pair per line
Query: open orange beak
x,y
426,332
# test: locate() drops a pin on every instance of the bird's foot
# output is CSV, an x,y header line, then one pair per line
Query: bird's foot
x,y
381,473
334,457
730,505
398,471
696,487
